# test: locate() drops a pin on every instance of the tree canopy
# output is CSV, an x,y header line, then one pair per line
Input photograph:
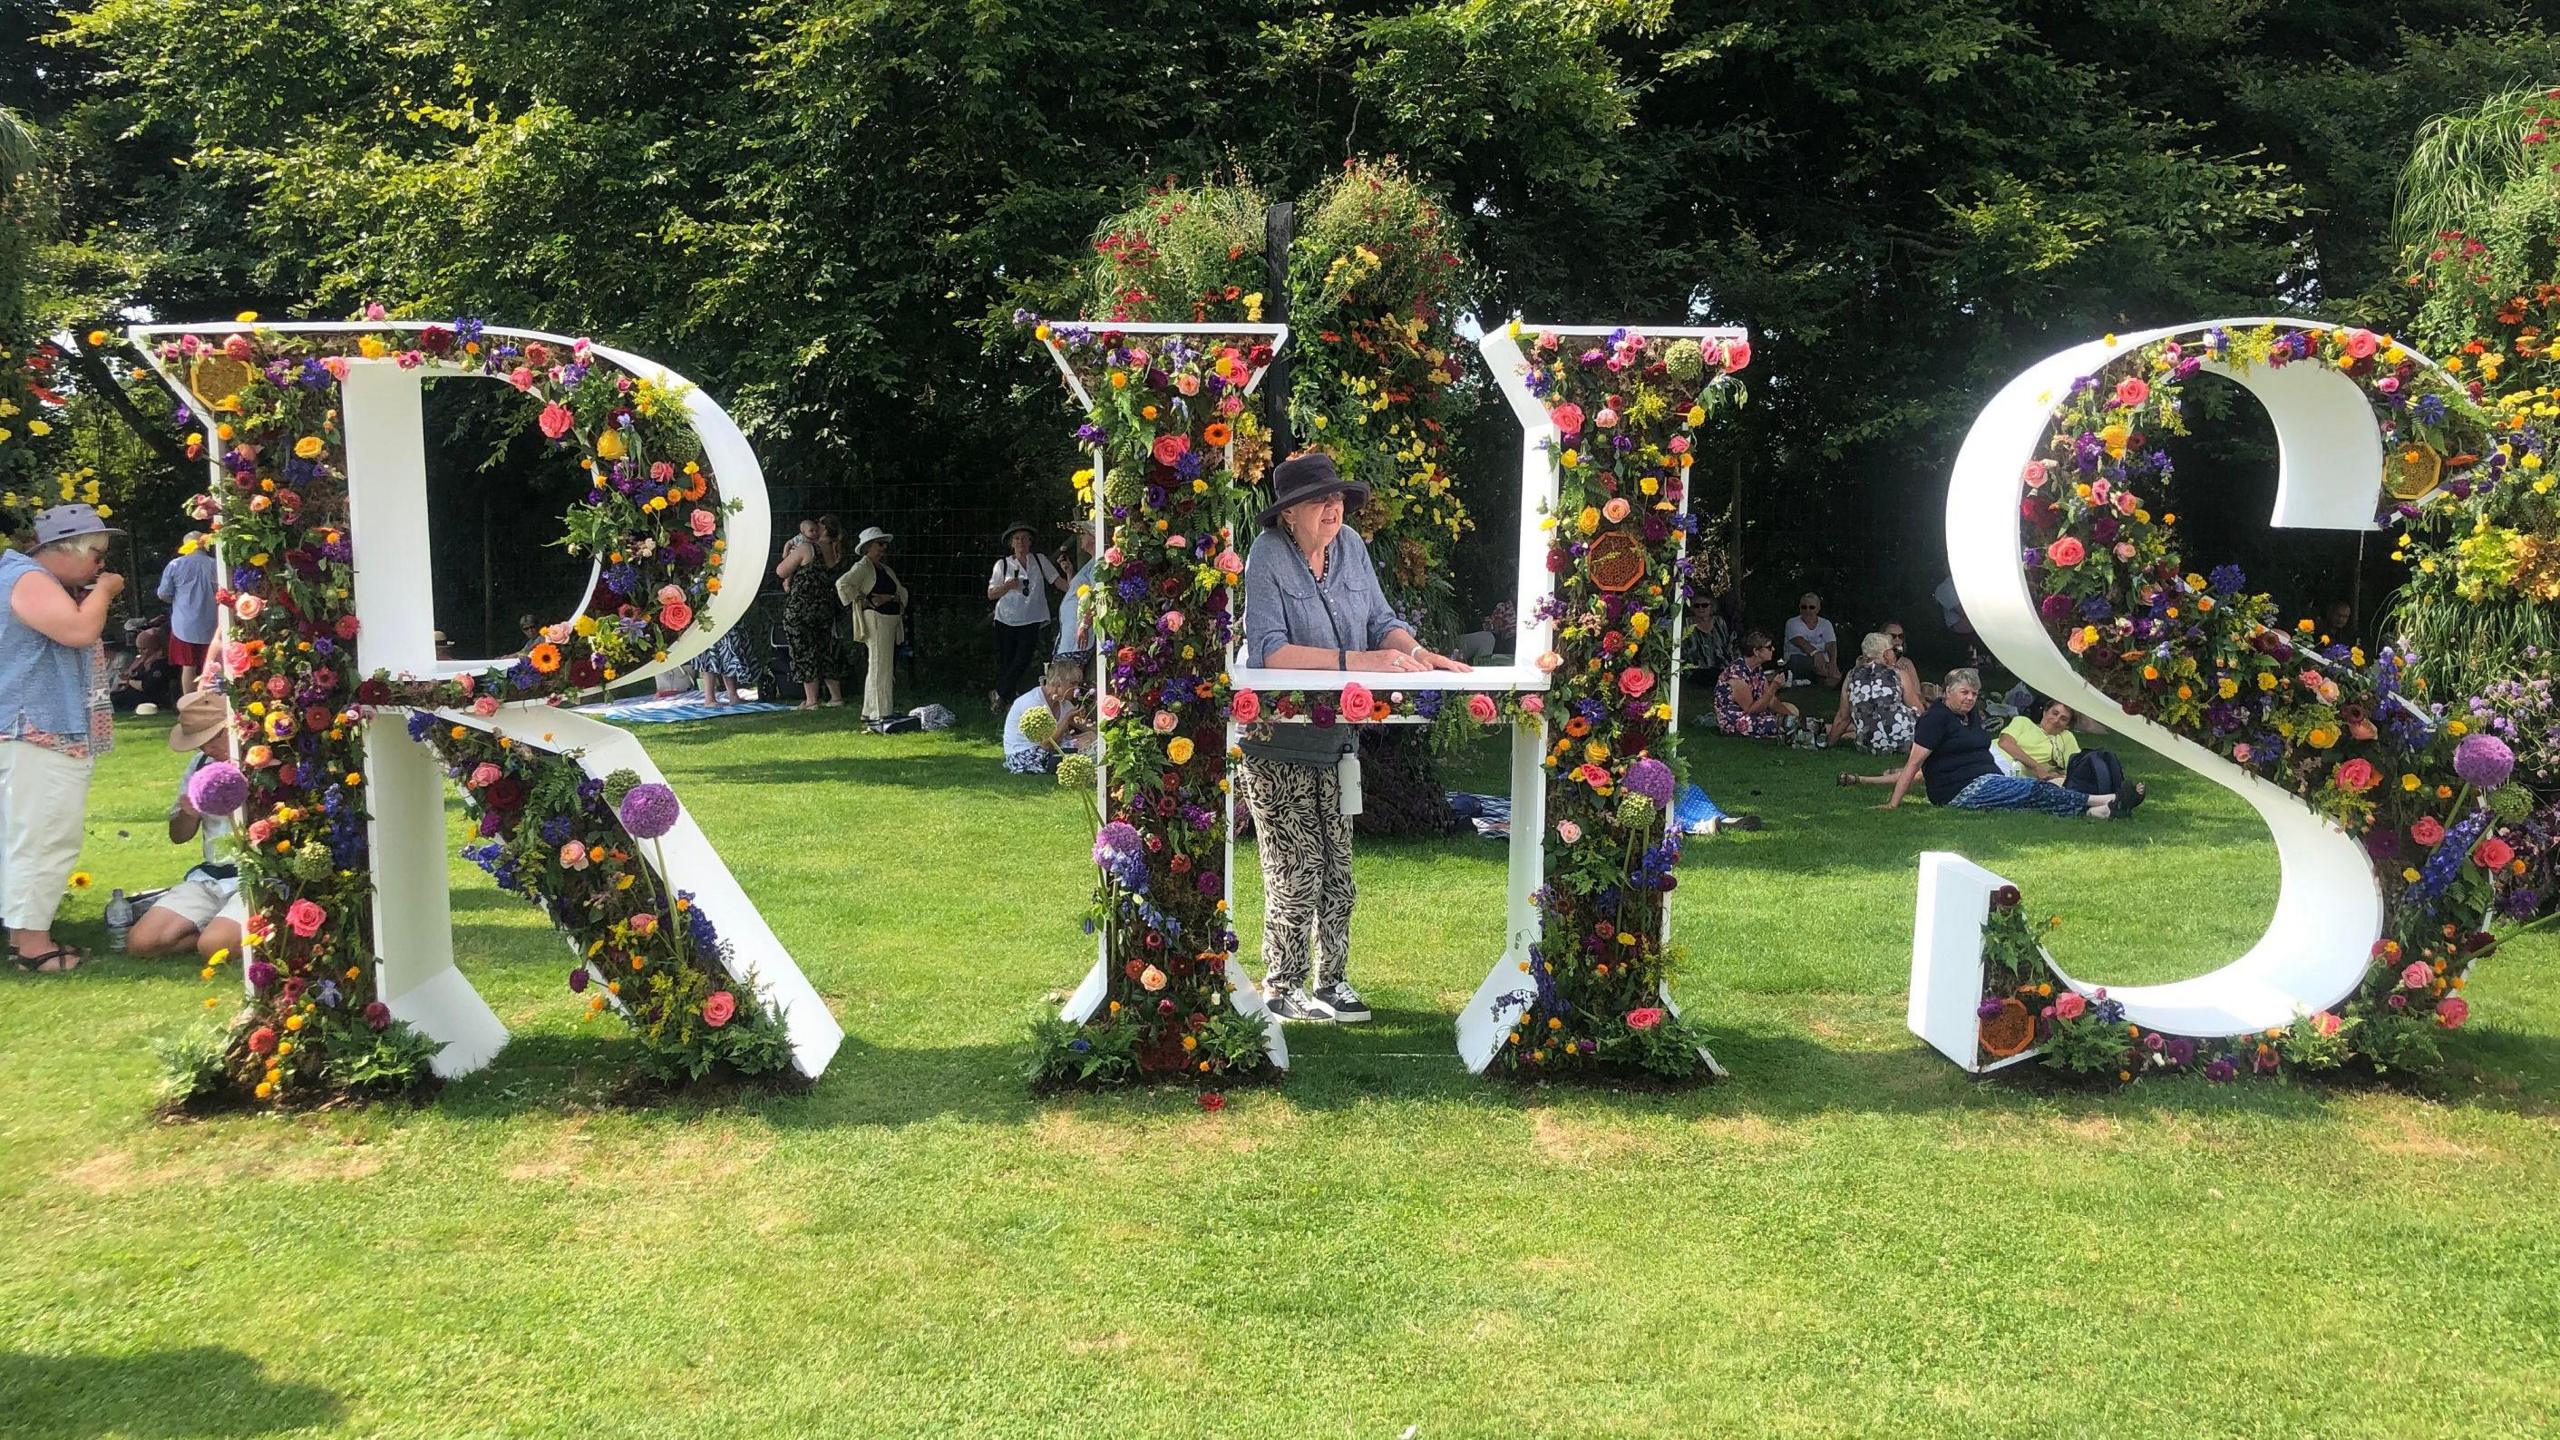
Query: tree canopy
x,y
827,210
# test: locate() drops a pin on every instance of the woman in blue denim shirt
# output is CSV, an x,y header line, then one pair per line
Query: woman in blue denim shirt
x,y
1312,602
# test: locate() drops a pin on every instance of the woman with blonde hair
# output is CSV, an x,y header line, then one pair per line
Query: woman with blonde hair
x,y
1879,702
54,720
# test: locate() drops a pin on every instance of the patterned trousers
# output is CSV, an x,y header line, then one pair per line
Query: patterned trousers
x,y
2017,792
1306,871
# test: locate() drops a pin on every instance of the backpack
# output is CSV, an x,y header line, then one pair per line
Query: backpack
x,y
2098,772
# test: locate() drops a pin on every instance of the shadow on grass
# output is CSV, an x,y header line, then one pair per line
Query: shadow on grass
x,y
200,1391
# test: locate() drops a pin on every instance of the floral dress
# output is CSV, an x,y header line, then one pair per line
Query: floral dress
x,y
1767,725
1879,721
809,612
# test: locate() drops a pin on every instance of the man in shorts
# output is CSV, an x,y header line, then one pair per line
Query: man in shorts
x,y
202,912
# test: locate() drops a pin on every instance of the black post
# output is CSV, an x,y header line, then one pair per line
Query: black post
x,y
1279,233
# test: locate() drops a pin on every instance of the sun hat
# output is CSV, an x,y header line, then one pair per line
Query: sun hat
x,y
1309,475
202,714
1018,527
872,533
70,521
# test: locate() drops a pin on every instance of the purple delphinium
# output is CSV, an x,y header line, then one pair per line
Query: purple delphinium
x,y
650,810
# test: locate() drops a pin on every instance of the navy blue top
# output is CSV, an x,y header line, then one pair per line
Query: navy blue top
x,y
1959,749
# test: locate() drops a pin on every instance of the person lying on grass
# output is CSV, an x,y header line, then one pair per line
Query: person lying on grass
x,y
1951,754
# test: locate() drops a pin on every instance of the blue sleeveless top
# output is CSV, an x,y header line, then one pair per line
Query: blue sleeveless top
x,y
44,686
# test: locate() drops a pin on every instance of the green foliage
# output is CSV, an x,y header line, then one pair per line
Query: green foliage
x,y
2319,1042
1185,253
194,1064
2087,1045
379,1064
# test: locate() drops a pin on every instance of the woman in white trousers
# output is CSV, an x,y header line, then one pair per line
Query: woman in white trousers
x,y
54,720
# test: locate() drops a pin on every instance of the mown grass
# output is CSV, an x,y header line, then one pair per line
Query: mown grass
x,y
1848,1237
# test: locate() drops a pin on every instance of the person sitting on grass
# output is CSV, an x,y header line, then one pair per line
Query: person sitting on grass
x,y
1879,701
1046,722
1951,753
1747,702
1812,647
202,912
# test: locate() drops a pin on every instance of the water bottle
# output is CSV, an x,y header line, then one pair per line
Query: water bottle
x,y
119,918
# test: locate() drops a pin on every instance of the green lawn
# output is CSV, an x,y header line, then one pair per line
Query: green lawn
x,y
1849,1237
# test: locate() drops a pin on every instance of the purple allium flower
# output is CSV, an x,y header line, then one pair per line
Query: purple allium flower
x,y
650,810
217,789
1989,1008
2484,761
1651,779
578,980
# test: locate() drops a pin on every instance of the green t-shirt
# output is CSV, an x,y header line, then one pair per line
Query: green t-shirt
x,y
2053,750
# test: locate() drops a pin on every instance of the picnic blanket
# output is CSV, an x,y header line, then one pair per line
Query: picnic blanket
x,y
667,709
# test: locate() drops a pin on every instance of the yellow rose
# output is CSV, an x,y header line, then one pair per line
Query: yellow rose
x,y
1178,750
308,447
609,444
1588,522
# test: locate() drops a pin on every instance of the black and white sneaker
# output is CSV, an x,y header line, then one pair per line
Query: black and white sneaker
x,y
1294,1004
1343,1001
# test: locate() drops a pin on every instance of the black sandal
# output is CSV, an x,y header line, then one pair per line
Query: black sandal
x,y
55,957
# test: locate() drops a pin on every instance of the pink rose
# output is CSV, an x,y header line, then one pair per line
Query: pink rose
x,y
573,855
1230,563
1112,556
1550,661
2451,1011
702,523
1634,681
2035,475
2127,502
1568,832
1170,621
259,830
521,378
556,420
484,775
2131,391
236,346
346,627
1568,418
1737,354
278,687
2362,343
670,594
2418,976
1245,706
2124,550
675,617
305,918
235,658
2357,775
1678,445
247,607
2427,831
1163,722
1169,448
717,1007
2388,384
2066,552
336,365
2326,1022
2069,1005
1607,419
1615,509
485,705
1645,1017
2100,492
1533,704
1357,703
1110,707
1482,710
644,923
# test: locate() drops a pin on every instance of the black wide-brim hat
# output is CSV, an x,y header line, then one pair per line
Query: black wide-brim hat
x,y
1309,476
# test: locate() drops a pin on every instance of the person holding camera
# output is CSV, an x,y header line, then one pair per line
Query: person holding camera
x,y
878,599
54,720
1020,585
